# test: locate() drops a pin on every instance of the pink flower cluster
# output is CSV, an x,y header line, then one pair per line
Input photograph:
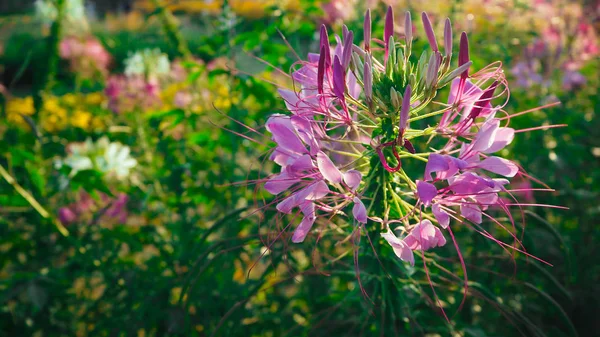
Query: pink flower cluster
x,y
128,93
87,56
558,48
109,208
354,119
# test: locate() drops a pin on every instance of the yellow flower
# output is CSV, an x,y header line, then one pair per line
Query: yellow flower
x,y
70,99
252,9
53,117
94,98
19,106
81,119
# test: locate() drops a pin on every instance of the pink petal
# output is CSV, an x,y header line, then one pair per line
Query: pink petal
x,y
300,165
352,178
283,133
440,215
339,79
359,211
402,251
426,192
436,163
328,168
308,209
280,183
499,166
486,136
504,136
471,213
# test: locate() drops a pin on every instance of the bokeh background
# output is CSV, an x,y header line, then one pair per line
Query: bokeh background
x,y
162,237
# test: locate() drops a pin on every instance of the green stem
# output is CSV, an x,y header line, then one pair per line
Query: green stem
x,y
169,24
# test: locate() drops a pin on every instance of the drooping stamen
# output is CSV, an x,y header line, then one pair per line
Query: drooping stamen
x,y
367,30
388,30
429,32
384,162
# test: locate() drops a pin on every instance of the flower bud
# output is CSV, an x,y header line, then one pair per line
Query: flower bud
x,y
448,38
429,32
405,112
347,53
367,30
368,81
394,98
388,30
432,70
408,29
463,55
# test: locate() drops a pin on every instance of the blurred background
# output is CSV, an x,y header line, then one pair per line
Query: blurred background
x,y
123,207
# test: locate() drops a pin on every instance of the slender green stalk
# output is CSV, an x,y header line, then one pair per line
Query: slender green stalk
x,y
31,200
170,27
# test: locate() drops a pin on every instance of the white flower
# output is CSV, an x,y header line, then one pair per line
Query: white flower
x,y
111,158
46,12
148,62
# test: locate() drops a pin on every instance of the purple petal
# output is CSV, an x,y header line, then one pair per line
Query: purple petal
x,y
402,251
280,183
308,209
339,79
429,32
283,134
440,215
313,191
352,178
426,192
467,184
435,163
328,168
299,165
486,136
66,215
291,99
499,166
359,211
504,136
471,213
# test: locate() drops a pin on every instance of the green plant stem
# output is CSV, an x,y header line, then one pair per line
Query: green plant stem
x,y
31,200
169,24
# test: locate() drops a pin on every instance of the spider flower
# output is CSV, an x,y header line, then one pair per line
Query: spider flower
x,y
364,139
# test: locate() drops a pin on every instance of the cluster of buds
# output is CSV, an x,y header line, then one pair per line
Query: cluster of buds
x,y
363,141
